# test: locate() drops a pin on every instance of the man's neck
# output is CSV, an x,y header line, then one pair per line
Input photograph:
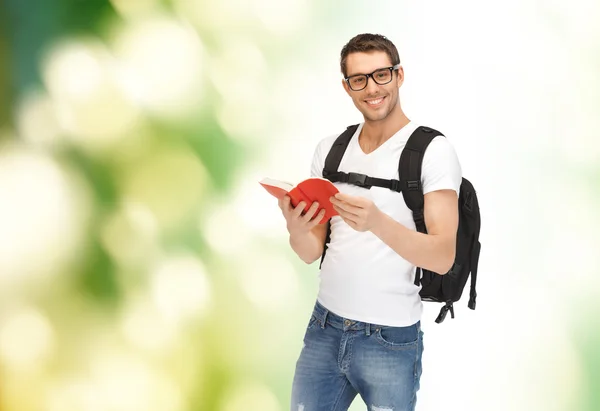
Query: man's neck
x,y
375,133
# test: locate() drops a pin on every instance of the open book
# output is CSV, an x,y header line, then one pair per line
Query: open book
x,y
309,191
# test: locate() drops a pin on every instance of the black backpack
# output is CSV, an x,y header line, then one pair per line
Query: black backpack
x,y
445,288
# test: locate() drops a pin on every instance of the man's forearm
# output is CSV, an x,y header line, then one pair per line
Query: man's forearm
x,y
431,252
307,245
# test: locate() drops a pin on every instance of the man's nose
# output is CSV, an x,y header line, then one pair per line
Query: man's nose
x,y
372,87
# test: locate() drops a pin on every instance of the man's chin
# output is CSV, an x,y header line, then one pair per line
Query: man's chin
x,y
375,117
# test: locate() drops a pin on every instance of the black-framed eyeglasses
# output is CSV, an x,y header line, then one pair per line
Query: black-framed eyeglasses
x,y
380,76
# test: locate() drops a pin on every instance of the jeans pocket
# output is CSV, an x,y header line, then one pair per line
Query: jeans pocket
x,y
398,338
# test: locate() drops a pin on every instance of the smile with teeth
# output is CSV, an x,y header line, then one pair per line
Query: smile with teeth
x,y
374,102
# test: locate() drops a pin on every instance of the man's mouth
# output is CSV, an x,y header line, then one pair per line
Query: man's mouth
x,y
375,102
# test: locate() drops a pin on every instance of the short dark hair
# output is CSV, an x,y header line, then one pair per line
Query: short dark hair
x,y
366,42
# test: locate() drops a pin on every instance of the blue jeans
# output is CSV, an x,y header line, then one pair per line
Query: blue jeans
x,y
342,358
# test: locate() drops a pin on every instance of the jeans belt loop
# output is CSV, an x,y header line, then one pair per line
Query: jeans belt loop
x,y
324,320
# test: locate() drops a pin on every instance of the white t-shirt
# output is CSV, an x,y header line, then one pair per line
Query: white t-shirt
x,y
361,277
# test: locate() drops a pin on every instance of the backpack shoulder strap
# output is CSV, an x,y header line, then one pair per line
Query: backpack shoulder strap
x,y
409,173
332,162
334,157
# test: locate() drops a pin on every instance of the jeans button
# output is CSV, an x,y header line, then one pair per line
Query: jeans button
x,y
347,323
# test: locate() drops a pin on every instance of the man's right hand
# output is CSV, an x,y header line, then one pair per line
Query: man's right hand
x,y
298,223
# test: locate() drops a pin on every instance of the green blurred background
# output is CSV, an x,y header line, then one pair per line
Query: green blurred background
x,y
143,268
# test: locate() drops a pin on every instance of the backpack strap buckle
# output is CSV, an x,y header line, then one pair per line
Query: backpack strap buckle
x,y
442,316
419,220
358,179
413,185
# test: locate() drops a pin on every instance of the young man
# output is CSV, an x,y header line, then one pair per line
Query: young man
x,y
364,336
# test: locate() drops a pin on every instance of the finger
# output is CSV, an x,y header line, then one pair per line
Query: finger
x,y
311,212
350,219
284,202
299,209
344,212
353,200
354,209
285,206
315,221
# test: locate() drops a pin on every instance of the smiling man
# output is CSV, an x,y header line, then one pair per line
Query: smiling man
x,y
364,336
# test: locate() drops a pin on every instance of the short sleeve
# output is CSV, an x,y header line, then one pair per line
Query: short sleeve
x,y
318,162
441,169
316,169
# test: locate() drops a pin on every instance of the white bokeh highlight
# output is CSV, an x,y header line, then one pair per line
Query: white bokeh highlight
x,y
43,215
131,235
146,328
180,288
161,63
27,340
83,83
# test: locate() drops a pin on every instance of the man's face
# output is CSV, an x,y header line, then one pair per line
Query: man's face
x,y
375,101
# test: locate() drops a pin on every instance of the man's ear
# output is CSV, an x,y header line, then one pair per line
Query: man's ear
x,y
346,87
400,76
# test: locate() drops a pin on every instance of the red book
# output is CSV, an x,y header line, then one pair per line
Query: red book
x,y
309,191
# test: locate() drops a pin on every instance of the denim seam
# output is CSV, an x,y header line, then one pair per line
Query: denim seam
x,y
339,396
414,393
341,353
349,347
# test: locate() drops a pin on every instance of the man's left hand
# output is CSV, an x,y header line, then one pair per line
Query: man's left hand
x,y
358,212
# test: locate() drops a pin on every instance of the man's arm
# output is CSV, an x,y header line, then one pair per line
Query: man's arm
x,y
309,246
307,236
434,251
